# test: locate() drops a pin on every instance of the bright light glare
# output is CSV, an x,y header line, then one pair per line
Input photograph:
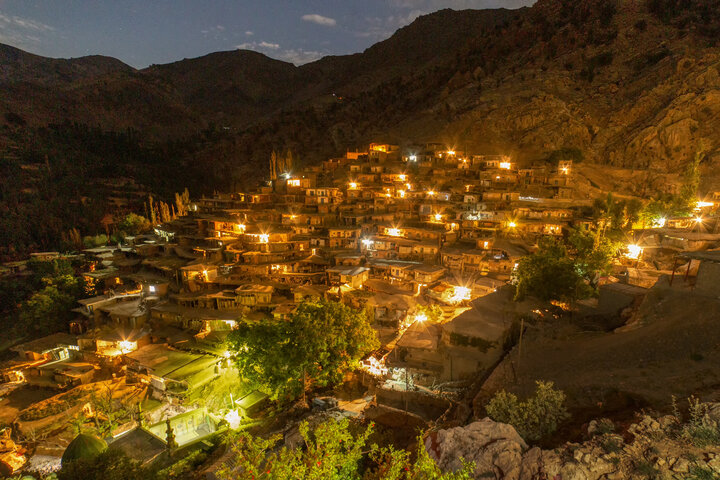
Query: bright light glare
x,y
264,238
512,224
701,204
431,193
367,242
420,317
460,294
352,185
634,251
126,346
698,220
451,152
374,366
233,418
393,232
658,223
505,165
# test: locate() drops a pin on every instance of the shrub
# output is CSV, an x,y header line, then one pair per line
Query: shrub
x,y
700,430
701,473
534,418
645,468
611,444
605,425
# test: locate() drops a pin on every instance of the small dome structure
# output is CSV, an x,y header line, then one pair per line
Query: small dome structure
x,y
84,446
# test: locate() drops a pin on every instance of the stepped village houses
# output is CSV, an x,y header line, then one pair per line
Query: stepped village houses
x,y
387,230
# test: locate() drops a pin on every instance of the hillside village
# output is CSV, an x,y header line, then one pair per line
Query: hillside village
x,y
425,239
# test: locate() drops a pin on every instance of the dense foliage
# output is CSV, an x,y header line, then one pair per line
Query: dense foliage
x,y
317,345
331,452
569,268
49,295
534,418
549,273
61,177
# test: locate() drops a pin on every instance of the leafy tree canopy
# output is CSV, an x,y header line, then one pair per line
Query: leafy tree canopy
x,y
549,273
333,452
321,341
566,269
133,224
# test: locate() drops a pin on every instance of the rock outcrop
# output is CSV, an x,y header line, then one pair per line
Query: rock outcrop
x,y
657,448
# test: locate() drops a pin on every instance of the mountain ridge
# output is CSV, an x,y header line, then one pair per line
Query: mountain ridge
x,y
627,82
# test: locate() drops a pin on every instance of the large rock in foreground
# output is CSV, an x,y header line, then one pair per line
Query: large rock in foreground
x,y
665,447
496,448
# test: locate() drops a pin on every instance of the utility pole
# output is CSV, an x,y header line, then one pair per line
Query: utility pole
x,y
522,327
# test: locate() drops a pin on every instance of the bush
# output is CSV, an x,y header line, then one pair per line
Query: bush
x,y
700,430
133,224
534,418
611,444
96,241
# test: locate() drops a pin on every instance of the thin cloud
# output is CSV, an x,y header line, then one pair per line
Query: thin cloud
x,y
319,19
296,56
299,56
258,46
249,33
24,23
22,32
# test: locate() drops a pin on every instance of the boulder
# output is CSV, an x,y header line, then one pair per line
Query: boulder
x,y
495,448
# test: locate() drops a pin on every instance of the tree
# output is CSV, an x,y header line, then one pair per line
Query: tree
x,y
96,241
133,224
55,289
321,341
182,200
592,256
332,452
48,309
548,274
536,417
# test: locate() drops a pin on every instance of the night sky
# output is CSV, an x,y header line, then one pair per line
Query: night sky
x,y
143,32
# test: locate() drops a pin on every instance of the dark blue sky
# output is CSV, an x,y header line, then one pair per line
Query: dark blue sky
x,y
143,32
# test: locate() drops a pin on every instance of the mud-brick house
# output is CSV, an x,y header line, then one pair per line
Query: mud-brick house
x,y
128,314
344,237
428,274
703,271
192,276
170,372
58,346
252,295
354,277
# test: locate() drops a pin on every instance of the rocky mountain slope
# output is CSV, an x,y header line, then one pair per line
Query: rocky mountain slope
x,y
628,82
